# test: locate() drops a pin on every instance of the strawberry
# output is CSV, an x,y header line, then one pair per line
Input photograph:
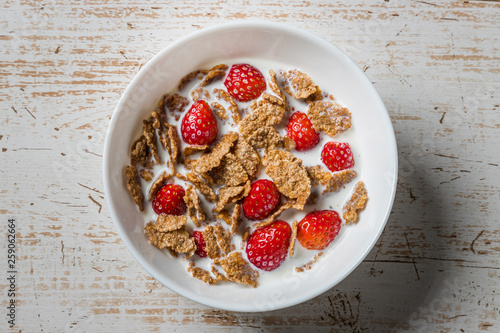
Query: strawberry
x,y
301,131
318,229
200,243
262,199
199,126
170,200
267,247
245,82
337,156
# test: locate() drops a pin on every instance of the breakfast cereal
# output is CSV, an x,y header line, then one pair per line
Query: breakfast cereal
x,y
238,269
302,85
166,222
291,251
201,274
134,187
251,145
236,219
355,203
160,181
308,265
329,117
193,204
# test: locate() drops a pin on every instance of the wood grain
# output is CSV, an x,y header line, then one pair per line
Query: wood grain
x,y
436,65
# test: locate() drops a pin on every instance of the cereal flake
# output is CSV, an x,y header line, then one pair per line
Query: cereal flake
x,y
158,183
233,107
175,105
134,186
201,274
217,72
238,270
146,174
149,134
302,85
212,159
265,137
166,223
247,156
200,93
201,186
190,150
236,219
188,78
140,152
275,87
219,110
230,172
266,112
274,215
179,240
308,265
292,239
355,203
329,117
193,204
288,174
339,179
230,194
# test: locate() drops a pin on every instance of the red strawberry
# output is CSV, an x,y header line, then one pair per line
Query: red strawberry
x,y
318,229
337,156
170,200
245,82
199,126
200,243
302,132
263,198
267,247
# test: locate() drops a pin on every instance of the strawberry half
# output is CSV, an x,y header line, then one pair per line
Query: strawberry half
x,y
245,82
200,244
267,247
199,126
170,200
337,156
301,131
262,199
318,229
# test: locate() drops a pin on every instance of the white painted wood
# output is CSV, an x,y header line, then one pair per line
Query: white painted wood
x,y
436,65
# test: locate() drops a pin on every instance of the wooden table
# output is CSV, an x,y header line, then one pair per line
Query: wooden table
x,y
436,65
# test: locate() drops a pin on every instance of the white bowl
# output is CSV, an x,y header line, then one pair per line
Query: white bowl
x,y
316,57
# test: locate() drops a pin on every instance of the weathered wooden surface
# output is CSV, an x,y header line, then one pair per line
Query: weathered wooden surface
x,y
436,65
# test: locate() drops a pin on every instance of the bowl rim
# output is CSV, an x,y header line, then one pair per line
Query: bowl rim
x,y
247,24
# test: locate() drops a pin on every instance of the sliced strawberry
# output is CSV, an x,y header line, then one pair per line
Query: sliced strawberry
x,y
200,244
245,82
170,200
318,229
267,247
337,156
199,126
301,131
262,199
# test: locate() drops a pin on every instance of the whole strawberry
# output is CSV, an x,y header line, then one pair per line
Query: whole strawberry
x,y
200,244
262,199
337,156
267,247
170,200
318,229
199,126
245,82
301,131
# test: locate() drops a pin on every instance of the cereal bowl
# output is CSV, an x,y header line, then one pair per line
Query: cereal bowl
x,y
373,142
